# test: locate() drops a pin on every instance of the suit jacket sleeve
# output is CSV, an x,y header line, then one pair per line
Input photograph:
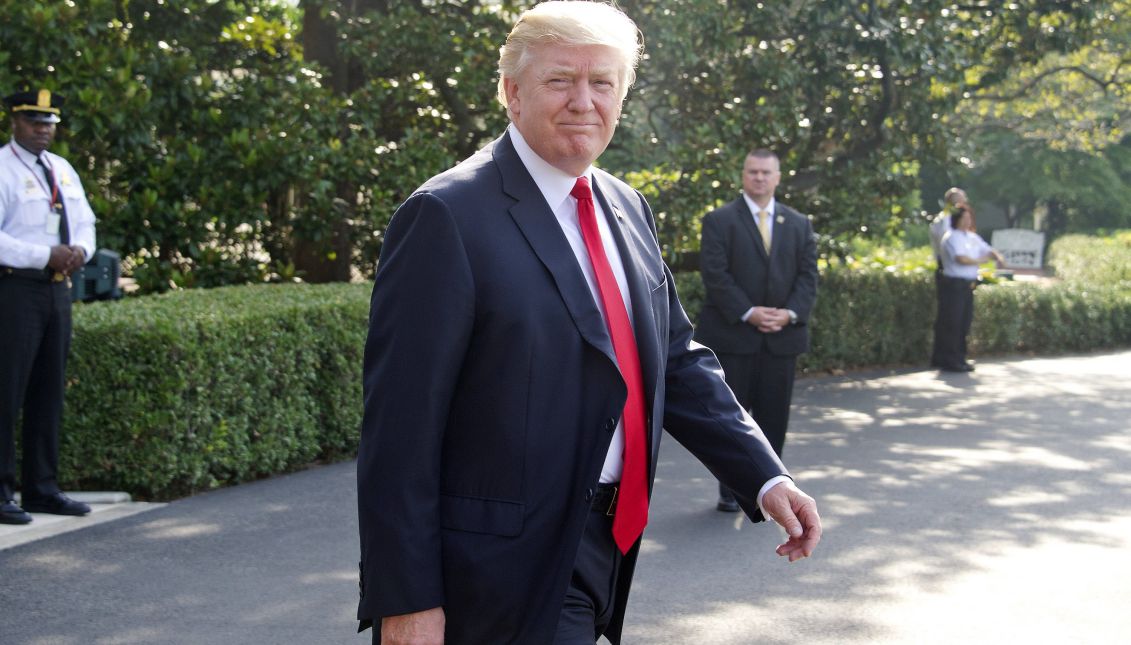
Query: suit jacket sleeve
x,y
420,321
714,258
701,413
803,294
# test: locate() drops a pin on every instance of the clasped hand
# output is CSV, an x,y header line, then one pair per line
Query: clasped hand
x,y
66,259
768,320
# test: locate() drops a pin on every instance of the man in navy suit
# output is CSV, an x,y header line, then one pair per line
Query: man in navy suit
x,y
525,348
758,261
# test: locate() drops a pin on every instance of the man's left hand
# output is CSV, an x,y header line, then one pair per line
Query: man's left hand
x,y
78,258
773,320
796,512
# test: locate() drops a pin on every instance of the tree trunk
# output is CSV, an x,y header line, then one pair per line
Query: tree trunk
x,y
329,259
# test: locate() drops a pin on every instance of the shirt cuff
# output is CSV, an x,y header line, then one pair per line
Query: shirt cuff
x,y
774,481
746,315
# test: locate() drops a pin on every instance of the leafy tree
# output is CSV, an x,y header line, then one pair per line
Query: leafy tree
x,y
850,95
1052,137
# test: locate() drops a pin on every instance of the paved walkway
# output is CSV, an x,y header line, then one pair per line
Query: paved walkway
x,y
988,508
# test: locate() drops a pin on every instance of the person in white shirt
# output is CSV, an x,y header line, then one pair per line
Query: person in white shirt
x,y
962,251
953,199
46,234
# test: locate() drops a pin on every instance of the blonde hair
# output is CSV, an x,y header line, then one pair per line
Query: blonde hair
x,y
571,23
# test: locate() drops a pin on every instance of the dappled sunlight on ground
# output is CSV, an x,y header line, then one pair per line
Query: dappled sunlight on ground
x,y
945,498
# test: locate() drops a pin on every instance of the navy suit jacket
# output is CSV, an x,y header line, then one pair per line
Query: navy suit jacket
x,y
738,274
491,396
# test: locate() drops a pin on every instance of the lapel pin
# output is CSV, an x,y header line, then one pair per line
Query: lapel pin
x,y
618,213
781,220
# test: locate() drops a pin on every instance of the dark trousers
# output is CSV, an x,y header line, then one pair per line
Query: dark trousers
x,y
763,384
588,607
952,321
35,337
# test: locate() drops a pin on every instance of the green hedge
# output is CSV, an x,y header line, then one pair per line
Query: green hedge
x,y
187,391
1085,259
866,318
196,389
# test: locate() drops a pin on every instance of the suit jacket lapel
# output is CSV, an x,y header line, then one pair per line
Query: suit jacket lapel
x,y
746,220
640,287
535,219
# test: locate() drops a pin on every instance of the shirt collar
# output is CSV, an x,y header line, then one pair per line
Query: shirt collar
x,y
554,183
25,155
754,208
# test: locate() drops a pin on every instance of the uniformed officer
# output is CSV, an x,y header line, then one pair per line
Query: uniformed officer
x,y
46,234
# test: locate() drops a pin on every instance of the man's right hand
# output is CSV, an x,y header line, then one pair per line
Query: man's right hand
x,y
419,628
768,320
65,259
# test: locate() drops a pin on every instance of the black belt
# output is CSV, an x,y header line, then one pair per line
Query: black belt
x,y
605,498
39,275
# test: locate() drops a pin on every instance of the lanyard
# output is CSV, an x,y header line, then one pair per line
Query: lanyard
x,y
54,192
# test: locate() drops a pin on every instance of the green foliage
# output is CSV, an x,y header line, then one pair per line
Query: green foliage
x,y
186,391
877,306
1051,143
850,95
228,141
1087,261
183,392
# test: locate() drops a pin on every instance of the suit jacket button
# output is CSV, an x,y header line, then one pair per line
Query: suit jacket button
x,y
610,425
589,496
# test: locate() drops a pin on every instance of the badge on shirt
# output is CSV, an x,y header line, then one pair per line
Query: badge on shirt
x,y
29,186
66,180
52,225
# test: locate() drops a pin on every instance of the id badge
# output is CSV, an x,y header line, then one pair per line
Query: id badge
x,y
52,226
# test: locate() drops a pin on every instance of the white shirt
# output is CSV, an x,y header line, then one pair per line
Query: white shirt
x,y
940,226
754,208
26,236
956,243
555,186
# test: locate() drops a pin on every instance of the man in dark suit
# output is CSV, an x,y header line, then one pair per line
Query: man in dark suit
x,y
525,348
758,260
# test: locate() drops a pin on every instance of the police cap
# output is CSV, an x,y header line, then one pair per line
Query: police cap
x,y
38,105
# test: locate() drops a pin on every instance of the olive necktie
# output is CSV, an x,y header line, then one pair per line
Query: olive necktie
x,y
764,227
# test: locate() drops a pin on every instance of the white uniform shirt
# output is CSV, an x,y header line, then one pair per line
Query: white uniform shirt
x,y
956,243
940,226
26,236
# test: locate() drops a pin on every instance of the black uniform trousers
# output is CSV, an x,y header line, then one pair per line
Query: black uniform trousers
x,y
763,385
952,321
35,337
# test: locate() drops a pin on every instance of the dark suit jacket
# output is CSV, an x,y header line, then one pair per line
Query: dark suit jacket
x,y
738,274
491,394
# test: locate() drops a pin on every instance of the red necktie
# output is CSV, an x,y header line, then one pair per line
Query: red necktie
x,y
632,503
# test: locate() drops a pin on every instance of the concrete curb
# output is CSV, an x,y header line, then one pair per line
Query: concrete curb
x,y
105,506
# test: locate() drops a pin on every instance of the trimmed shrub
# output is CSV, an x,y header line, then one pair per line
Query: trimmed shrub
x,y
168,395
172,394
868,318
1092,260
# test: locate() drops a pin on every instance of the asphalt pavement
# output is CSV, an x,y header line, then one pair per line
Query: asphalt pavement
x,y
984,508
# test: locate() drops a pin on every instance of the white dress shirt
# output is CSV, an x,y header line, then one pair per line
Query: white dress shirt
x,y
26,234
556,186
